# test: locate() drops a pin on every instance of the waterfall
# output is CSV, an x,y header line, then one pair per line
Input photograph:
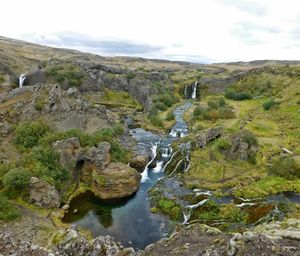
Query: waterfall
x,y
145,172
187,211
22,78
159,167
186,215
166,152
194,94
173,133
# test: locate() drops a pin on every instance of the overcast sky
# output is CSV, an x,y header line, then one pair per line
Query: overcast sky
x,y
191,30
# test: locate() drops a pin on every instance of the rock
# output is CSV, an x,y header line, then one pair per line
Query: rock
x,y
5,128
243,146
117,180
43,194
139,162
100,156
65,207
208,135
68,151
72,91
248,236
56,102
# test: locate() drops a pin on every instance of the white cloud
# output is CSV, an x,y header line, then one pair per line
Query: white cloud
x,y
201,31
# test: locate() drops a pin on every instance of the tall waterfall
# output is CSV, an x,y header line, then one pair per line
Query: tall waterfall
x,y
194,94
22,78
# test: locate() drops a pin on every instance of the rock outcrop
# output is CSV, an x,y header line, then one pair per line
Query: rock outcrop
x,y
243,146
208,135
43,194
68,150
117,180
139,162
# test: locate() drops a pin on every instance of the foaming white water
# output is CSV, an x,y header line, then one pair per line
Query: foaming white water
x,y
193,206
194,90
22,78
186,215
159,167
145,172
173,133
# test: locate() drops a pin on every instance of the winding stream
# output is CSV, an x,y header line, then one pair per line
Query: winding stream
x,y
130,221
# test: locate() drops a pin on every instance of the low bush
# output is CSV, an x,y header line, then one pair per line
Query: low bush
x,y
15,181
233,95
223,144
269,104
27,134
170,116
285,167
7,210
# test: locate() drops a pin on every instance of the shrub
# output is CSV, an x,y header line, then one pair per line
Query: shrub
x,y
130,75
39,104
216,103
249,138
223,144
170,116
269,104
155,120
237,95
66,72
16,180
198,111
160,106
7,210
285,167
29,133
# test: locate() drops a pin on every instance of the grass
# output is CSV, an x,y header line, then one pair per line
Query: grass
x,y
115,99
267,186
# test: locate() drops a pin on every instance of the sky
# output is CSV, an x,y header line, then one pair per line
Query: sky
x,y
202,31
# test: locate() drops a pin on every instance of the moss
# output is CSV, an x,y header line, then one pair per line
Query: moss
x,y
268,186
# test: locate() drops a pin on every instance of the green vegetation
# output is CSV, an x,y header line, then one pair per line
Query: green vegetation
x,y
162,102
130,75
15,181
217,109
66,72
119,99
7,210
269,104
233,95
223,144
169,208
269,185
285,167
29,133
2,78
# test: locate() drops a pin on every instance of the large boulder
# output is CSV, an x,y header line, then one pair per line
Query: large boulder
x,y
117,180
208,135
99,156
43,194
139,162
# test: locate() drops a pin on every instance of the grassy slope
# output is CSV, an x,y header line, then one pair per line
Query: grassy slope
x,y
276,128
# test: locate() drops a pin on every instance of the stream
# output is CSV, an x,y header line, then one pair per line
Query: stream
x,y
130,221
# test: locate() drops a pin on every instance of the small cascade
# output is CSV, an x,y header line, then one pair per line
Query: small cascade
x,y
186,215
22,78
166,152
188,210
194,94
154,153
159,167
173,133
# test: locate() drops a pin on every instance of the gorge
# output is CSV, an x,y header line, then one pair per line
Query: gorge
x,y
128,156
